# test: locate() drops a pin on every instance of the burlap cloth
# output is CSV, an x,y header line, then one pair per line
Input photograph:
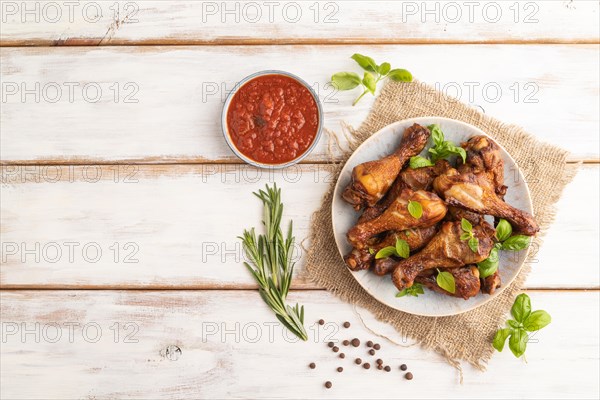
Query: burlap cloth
x,y
466,336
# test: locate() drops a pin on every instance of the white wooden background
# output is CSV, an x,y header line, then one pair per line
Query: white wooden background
x,y
110,140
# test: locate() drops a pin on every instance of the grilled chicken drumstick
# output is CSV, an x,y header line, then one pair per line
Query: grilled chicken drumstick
x,y
397,217
476,193
483,156
371,180
445,250
416,239
415,179
466,281
491,283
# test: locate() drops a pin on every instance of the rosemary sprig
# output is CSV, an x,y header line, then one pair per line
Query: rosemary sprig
x,y
271,256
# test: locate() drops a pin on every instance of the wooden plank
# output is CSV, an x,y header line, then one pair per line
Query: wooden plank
x,y
176,226
224,344
163,104
85,23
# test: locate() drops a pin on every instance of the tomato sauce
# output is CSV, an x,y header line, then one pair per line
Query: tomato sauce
x,y
273,119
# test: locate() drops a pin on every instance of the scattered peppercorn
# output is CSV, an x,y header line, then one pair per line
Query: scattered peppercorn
x,y
379,361
355,342
321,321
380,367
403,367
372,352
335,349
330,344
346,324
369,344
328,385
387,368
342,355
376,346
358,361
408,376
346,342
366,365
312,365
340,369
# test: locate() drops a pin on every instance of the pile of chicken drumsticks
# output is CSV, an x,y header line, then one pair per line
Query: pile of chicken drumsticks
x,y
447,195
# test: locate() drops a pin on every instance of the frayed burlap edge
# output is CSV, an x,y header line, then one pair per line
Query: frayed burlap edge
x,y
465,336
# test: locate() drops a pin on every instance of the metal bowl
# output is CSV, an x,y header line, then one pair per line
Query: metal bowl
x,y
228,137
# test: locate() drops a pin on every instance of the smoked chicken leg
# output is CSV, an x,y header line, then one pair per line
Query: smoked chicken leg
x,y
398,218
416,239
483,156
371,180
445,250
415,179
476,193
466,281
491,283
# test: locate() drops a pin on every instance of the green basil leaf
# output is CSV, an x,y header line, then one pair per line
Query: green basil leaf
x,y
489,266
386,252
384,68
400,75
402,249
365,62
415,209
521,308
537,320
474,244
345,80
461,152
415,290
418,289
500,338
369,82
436,134
465,235
466,225
419,162
516,243
445,280
518,342
513,324
503,230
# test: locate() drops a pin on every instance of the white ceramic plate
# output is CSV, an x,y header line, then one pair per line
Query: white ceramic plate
x,y
344,217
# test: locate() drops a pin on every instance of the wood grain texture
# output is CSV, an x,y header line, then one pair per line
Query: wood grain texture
x,y
176,226
214,22
163,104
219,346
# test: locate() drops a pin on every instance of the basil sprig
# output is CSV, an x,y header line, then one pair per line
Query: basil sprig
x,y
401,249
445,280
524,321
373,74
504,230
508,242
415,290
467,234
441,149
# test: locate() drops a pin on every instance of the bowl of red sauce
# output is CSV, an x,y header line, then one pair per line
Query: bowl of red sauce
x,y
272,119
